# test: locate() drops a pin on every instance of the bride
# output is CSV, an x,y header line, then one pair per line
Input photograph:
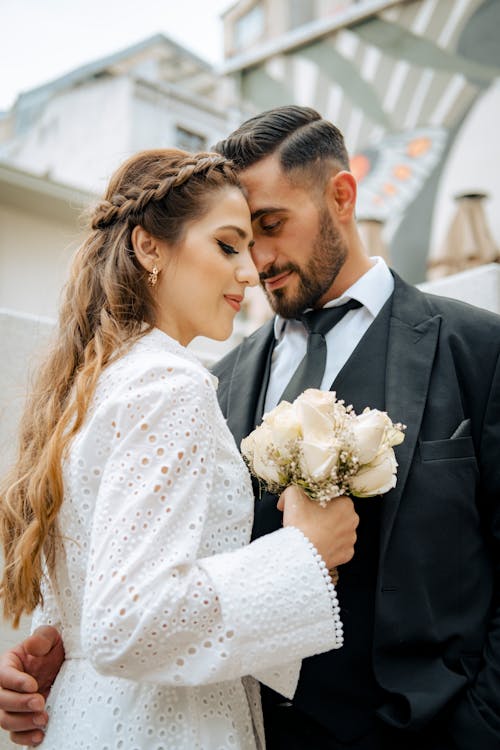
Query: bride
x,y
126,519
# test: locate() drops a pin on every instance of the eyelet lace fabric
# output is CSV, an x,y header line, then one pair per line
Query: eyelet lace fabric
x,y
164,607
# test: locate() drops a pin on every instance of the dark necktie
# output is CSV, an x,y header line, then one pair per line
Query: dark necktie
x,y
311,369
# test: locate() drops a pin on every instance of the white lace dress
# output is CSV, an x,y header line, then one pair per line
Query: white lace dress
x,y
162,603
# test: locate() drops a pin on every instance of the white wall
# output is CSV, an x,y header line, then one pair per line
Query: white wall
x,y
21,338
34,258
81,135
479,286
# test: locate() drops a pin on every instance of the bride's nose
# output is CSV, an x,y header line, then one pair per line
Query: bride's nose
x,y
246,273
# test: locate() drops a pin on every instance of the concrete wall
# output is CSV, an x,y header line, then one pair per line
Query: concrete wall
x,y
35,251
478,286
22,337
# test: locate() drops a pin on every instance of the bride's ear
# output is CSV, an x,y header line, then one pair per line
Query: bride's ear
x,y
147,249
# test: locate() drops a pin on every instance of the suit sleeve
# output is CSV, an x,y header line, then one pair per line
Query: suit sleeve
x,y
223,370
475,721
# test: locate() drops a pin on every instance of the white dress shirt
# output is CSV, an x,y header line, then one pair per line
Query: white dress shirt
x,y
373,289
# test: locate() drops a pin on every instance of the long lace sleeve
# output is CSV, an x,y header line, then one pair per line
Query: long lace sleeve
x,y
159,605
48,614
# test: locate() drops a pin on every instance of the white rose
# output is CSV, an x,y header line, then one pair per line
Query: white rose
x,y
369,429
374,432
395,436
377,477
316,426
262,465
247,446
317,461
322,401
319,456
285,426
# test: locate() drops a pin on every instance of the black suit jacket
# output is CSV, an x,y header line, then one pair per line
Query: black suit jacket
x,y
436,642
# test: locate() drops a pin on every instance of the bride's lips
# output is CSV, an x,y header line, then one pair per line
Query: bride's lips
x,y
234,300
275,282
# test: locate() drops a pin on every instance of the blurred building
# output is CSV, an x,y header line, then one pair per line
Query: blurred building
x,y
414,86
79,127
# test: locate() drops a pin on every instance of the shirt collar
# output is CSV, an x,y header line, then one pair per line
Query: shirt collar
x,y
372,289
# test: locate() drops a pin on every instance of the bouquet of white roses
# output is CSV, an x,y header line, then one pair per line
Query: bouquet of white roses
x,y
324,447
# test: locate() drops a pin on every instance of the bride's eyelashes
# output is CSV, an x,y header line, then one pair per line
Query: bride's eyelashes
x,y
227,249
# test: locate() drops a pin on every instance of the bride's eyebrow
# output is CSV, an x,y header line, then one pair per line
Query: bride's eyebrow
x,y
236,229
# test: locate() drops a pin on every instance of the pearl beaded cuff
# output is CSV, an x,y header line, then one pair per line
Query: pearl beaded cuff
x,y
339,628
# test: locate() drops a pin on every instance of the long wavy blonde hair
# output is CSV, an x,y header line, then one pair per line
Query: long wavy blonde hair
x,y
107,304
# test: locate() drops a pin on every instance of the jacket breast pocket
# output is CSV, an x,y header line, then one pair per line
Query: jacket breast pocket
x,y
447,450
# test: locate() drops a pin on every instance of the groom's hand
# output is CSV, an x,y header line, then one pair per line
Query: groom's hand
x,y
331,529
27,672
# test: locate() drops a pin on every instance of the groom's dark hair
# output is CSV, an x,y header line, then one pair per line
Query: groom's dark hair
x,y
299,135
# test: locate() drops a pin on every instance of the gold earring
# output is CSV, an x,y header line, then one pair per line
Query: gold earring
x,y
153,276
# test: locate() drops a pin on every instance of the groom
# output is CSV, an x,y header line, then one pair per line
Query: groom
x,y
420,668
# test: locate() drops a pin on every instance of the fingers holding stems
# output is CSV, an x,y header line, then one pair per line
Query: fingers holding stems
x,y
332,529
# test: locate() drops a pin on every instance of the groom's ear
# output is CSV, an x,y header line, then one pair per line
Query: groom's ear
x,y
341,191
147,248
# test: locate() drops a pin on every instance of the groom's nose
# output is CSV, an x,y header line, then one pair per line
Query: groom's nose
x,y
264,253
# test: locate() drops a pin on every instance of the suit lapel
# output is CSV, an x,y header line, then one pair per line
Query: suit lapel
x,y
247,381
413,337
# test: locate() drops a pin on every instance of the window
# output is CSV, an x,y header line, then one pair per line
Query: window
x,y
188,140
249,27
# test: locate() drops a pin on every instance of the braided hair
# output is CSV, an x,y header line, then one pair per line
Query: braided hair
x,y
133,192
107,304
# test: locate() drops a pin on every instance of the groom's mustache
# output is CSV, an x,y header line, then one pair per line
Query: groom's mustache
x,y
277,271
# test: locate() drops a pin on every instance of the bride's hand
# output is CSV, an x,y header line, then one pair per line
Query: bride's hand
x,y
331,529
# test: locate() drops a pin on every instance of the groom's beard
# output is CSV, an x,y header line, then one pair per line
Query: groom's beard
x,y
328,255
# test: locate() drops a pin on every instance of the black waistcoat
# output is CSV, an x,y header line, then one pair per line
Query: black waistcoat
x,y
337,689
